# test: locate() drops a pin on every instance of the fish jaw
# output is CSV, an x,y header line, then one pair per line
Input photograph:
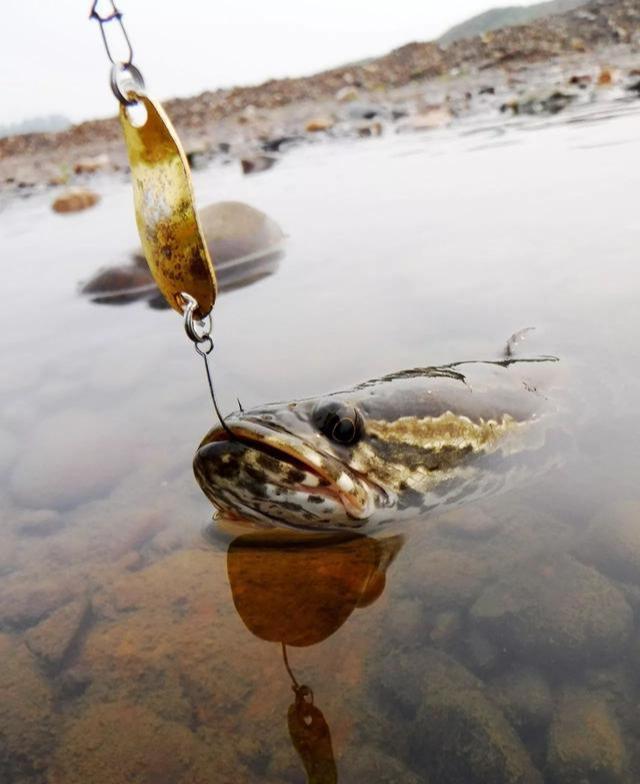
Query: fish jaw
x,y
270,475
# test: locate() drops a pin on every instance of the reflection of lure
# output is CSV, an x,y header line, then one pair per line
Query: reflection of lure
x,y
298,590
311,738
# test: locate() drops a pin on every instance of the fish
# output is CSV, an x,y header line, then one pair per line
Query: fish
x,y
399,446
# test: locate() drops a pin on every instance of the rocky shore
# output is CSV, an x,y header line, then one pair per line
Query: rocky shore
x,y
416,87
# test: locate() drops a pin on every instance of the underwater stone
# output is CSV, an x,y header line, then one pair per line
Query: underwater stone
x,y
524,697
119,741
71,457
26,719
555,610
368,764
612,543
24,600
39,522
456,732
459,733
585,743
52,638
445,579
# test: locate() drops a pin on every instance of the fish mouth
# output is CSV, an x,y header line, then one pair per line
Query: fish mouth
x,y
311,473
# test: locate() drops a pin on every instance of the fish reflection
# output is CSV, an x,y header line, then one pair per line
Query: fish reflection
x,y
297,590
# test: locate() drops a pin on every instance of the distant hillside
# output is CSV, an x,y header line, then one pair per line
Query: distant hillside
x,y
509,16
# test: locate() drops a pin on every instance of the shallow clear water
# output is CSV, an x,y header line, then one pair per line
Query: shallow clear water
x,y
498,643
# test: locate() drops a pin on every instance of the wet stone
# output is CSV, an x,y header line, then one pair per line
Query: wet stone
x,y
457,733
24,601
39,522
75,200
612,543
470,523
446,627
74,456
258,163
555,611
52,639
585,742
368,764
26,720
118,279
525,699
318,124
445,579
118,742
479,653
406,621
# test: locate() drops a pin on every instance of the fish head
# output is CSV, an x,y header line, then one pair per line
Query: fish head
x,y
292,463
415,440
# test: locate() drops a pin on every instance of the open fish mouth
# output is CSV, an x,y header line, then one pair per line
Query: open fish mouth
x,y
268,474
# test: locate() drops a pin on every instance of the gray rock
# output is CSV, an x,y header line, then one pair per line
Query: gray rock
x,y
26,714
445,578
38,522
480,654
524,697
585,742
51,639
469,523
457,733
72,457
258,163
556,610
25,600
369,764
234,229
612,543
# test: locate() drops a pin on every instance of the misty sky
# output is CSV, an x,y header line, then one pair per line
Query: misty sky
x,y
52,60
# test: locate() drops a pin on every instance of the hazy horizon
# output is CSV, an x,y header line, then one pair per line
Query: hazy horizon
x,y
54,62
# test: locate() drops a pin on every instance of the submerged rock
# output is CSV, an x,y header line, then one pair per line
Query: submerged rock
x,y
368,764
556,610
26,713
25,600
524,697
245,245
38,522
612,543
118,742
51,640
458,734
585,742
444,579
73,456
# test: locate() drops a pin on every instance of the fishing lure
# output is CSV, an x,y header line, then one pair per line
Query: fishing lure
x,y
170,231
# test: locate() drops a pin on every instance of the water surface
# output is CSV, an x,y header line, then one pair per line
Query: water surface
x,y
498,643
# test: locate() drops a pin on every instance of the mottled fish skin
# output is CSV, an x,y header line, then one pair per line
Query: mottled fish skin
x,y
426,438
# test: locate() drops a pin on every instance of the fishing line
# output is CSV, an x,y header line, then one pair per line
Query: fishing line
x,y
199,332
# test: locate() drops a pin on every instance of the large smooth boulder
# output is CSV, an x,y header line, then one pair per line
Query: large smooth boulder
x,y
555,610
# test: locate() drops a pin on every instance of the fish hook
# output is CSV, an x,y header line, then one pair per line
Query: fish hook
x,y
199,332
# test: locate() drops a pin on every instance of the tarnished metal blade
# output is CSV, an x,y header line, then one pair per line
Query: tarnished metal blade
x,y
168,224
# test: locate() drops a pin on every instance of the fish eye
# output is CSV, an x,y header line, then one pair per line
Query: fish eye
x,y
338,421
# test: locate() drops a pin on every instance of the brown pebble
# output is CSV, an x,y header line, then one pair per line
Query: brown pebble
x,y
75,200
